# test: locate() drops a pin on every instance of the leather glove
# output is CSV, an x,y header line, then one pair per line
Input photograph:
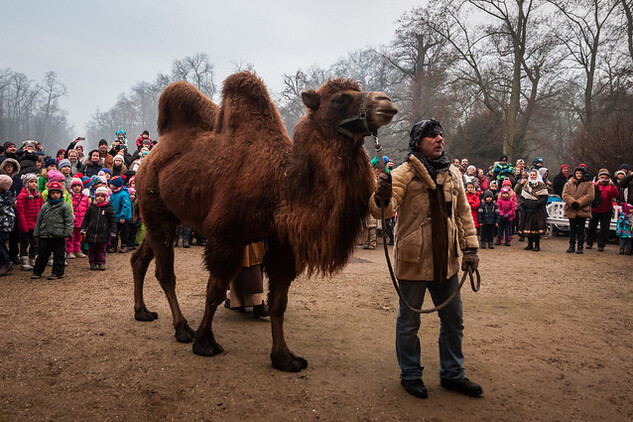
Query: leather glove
x,y
383,187
575,205
470,260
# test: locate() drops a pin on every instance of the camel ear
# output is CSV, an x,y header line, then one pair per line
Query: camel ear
x,y
311,99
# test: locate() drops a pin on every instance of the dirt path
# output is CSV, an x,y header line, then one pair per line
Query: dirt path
x,y
549,336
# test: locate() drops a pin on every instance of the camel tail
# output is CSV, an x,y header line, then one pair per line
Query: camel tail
x,y
183,106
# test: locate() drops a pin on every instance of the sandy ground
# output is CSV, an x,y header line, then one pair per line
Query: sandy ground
x,y
548,337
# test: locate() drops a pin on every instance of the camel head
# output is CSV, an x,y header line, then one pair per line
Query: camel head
x,y
343,106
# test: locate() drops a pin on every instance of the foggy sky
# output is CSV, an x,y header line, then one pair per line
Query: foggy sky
x,y
100,49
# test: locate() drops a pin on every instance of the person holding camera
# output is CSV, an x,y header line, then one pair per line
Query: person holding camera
x,y
602,213
578,193
434,223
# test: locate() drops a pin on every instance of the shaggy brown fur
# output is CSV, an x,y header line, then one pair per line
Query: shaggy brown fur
x,y
232,174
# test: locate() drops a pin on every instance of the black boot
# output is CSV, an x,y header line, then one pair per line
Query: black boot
x,y
260,311
537,244
579,251
621,250
571,249
530,245
490,245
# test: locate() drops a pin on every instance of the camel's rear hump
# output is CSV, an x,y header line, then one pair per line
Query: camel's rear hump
x,y
182,105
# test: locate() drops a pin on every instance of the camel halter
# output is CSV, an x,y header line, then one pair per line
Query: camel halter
x,y
362,116
474,286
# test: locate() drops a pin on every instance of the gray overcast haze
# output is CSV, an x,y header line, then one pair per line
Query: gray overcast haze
x,y
100,49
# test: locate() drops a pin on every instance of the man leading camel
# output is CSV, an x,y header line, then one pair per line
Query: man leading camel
x,y
433,215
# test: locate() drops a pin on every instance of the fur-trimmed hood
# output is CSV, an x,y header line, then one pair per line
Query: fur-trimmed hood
x,y
5,161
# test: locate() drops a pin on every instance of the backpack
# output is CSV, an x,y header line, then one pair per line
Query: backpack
x,y
597,197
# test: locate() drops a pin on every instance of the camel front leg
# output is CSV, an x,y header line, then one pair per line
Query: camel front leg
x,y
279,265
282,358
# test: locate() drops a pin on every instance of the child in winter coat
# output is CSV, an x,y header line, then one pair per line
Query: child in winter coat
x,y
81,203
507,212
53,227
98,227
473,200
7,220
624,229
120,200
488,217
27,208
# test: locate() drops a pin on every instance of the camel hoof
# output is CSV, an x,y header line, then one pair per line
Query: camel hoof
x,y
289,363
206,348
185,334
145,315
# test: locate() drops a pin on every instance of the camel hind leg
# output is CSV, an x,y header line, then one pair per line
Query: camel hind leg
x,y
280,268
224,263
160,233
140,261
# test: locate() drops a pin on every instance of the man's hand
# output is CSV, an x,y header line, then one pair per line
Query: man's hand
x,y
470,260
575,205
383,188
122,220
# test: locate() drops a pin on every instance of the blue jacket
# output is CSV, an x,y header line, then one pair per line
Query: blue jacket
x,y
122,205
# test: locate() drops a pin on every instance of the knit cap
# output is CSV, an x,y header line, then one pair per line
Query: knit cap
x,y
52,186
5,182
8,144
505,189
605,172
63,163
488,193
95,180
50,162
105,170
76,181
117,181
103,191
28,177
55,176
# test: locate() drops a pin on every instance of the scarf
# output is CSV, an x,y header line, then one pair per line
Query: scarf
x,y
534,188
55,201
434,167
103,204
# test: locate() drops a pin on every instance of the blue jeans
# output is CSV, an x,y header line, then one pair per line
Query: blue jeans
x,y
451,329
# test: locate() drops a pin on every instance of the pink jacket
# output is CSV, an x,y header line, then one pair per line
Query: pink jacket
x,y
507,208
27,209
81,203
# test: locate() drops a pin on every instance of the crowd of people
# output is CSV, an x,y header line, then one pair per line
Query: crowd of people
x,y
511,200
72,205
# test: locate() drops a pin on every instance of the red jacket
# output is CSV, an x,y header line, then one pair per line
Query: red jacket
x,y
474,202
607,194
81,203
27,209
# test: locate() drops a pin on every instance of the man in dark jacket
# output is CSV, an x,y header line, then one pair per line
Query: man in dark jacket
x,y
560,180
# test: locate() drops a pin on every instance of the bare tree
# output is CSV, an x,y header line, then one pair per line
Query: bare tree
x,y
197,71
53,90
581,32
